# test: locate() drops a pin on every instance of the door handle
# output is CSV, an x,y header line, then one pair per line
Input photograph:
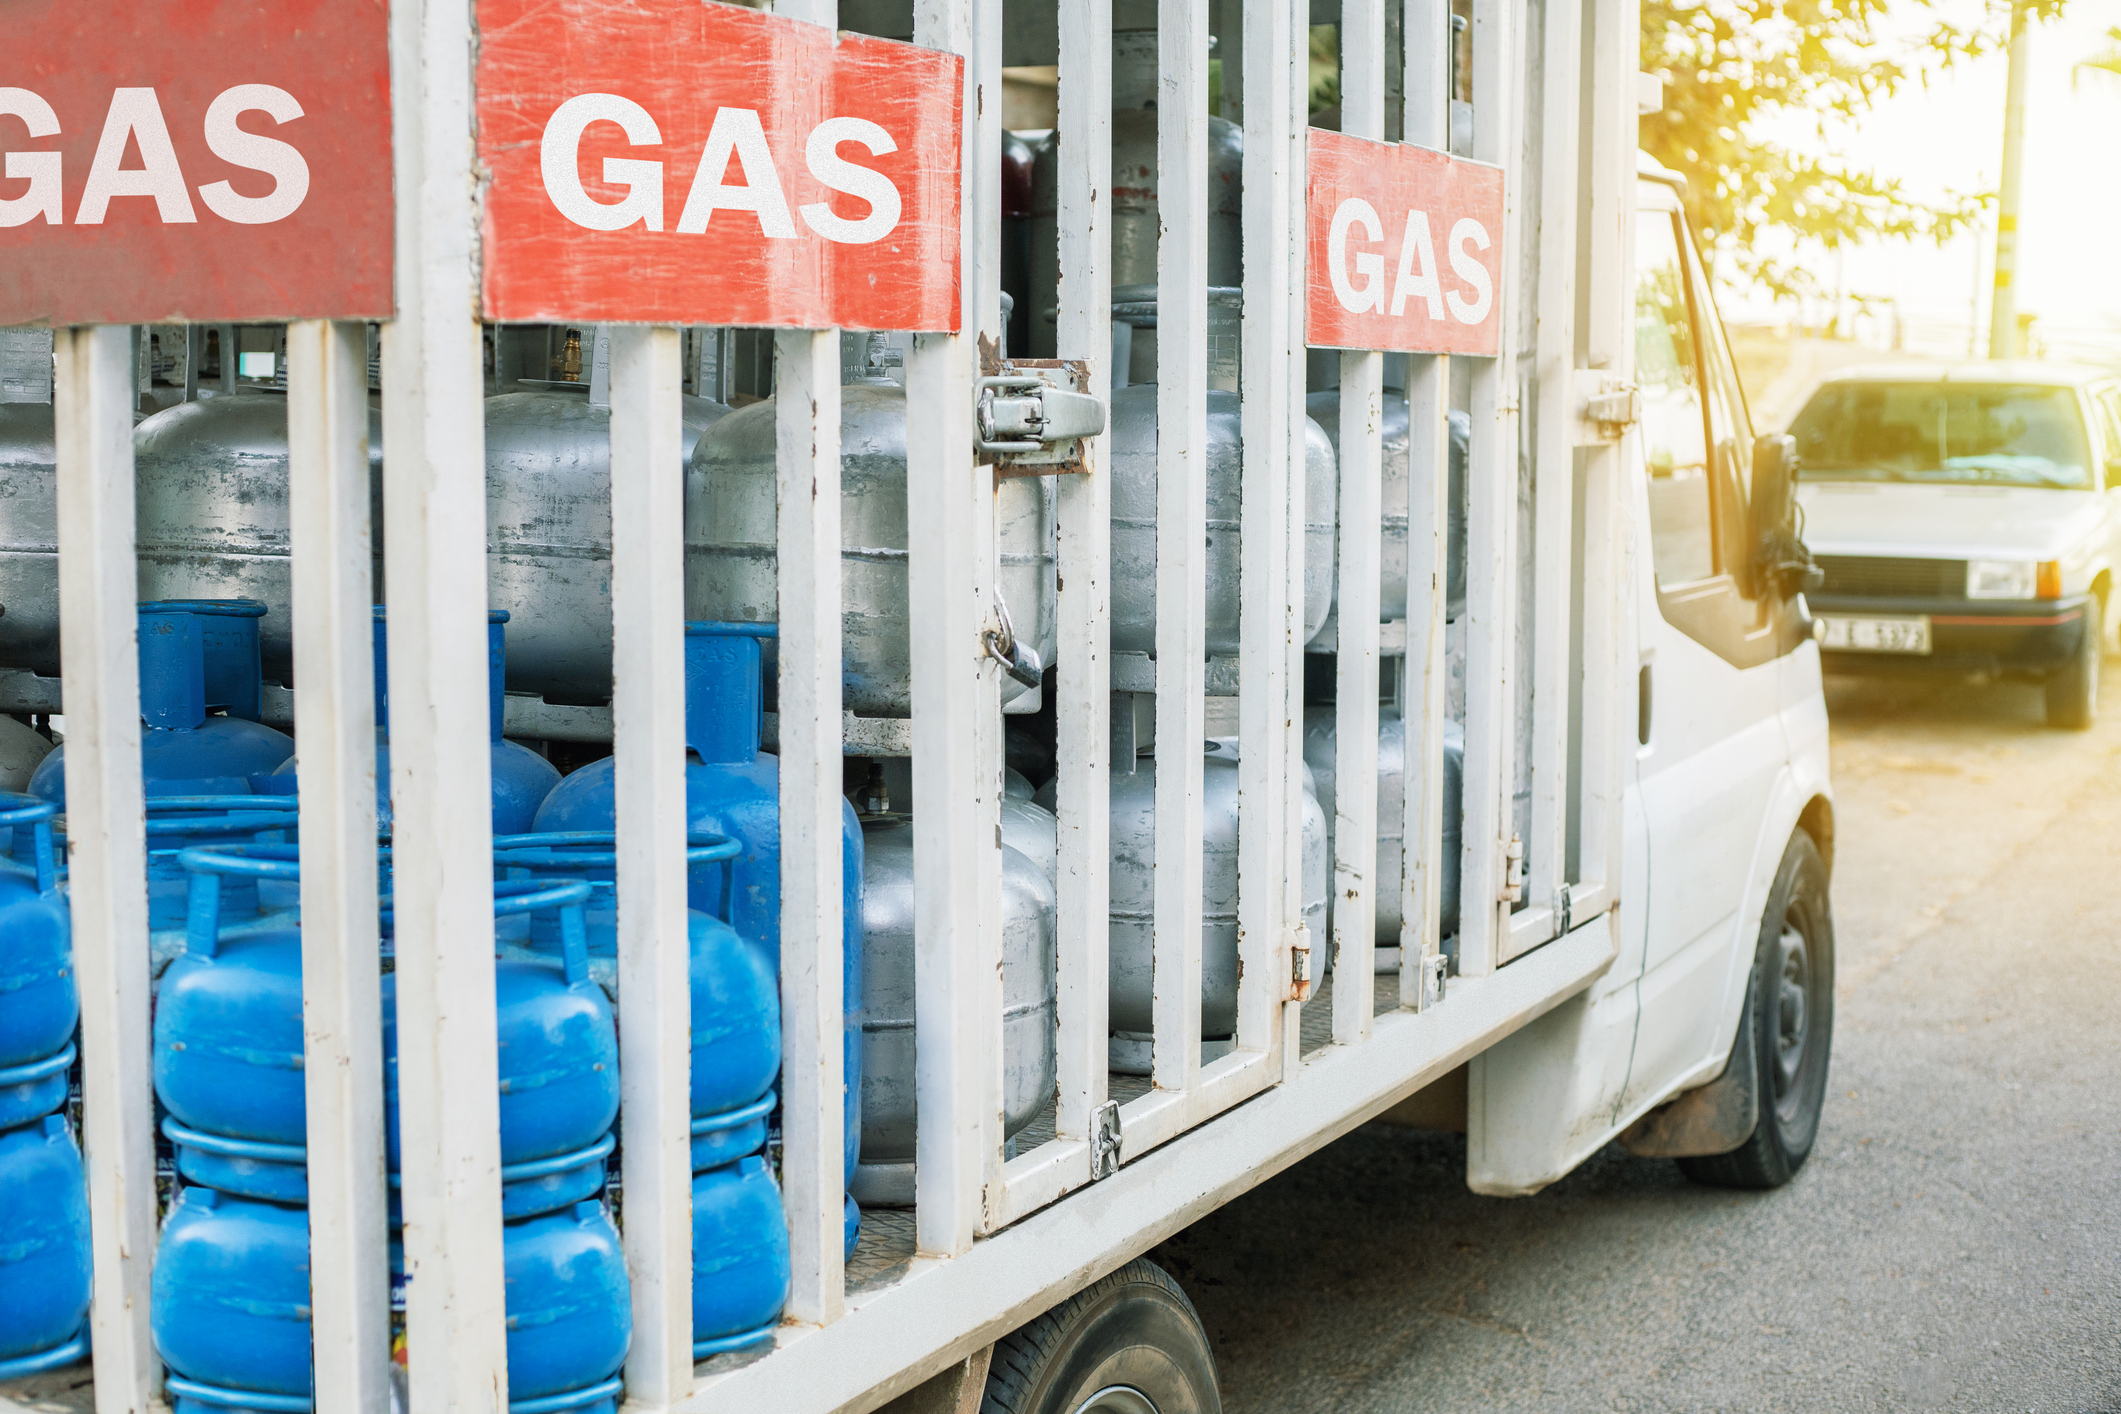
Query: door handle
x,y
1642,707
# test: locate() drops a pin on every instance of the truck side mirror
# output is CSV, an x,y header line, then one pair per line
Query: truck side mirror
x,y
1779,557
1774,482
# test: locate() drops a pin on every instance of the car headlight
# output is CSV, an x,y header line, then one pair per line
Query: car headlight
x,y
2001,579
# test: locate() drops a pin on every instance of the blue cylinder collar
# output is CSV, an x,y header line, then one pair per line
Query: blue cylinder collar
x,y
725,699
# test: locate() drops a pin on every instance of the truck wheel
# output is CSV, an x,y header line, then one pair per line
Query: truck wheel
x,y
1792,996
1130,1344
2073,692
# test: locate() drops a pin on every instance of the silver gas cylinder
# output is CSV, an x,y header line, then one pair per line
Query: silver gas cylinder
x,y
548,533
1324,408
29,539
1134,522
731,525
1135,217
211,481
885,1177
1319,736
1131,1000
1032,831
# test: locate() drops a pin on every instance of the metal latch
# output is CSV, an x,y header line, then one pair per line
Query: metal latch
x,y
1433,966
1512,870
1300,964
1031,417
1562,906
1104,1140
1607,406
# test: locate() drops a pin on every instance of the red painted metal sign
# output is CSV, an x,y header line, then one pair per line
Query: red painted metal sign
x,y
681,162
194,160
1405,248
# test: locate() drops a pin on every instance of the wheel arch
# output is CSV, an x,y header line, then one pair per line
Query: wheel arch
x,y
1817,820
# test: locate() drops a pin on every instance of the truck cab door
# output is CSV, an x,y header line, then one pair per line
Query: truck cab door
x,y
1712,739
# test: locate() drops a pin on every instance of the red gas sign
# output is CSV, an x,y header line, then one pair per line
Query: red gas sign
x,y
194,160
1405,248
680,162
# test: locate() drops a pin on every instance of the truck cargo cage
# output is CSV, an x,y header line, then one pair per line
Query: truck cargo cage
x,y
1000,1228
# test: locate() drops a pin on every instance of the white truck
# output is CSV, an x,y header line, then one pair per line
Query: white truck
x,y
1643,947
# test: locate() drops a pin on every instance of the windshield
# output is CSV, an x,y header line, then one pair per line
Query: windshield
x,y
1963,434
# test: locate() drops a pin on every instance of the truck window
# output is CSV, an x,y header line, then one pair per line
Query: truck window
x,y
2108,401
1674,425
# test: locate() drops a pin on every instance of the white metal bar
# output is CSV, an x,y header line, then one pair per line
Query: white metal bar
x,y
1181,531
1428,497
1160,1116
107,844
1491,534
807,394
807,403
957,981
1296,94
1355,711
1552,310
901,1334
342,1008
1266,617
1084,671
648,782
1607,264
1361,430
1426,120
435,566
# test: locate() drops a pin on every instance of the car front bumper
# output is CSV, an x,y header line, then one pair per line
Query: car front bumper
x,y
2024,637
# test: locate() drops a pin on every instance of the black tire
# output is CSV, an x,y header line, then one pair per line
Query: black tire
x,y
1792,997
1129,1344
2073,692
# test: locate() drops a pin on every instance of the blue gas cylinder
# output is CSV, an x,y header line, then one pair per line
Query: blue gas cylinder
x,y
559,1058
176,823
44,1254
38,1001
229,1299
228,1052
570,1307
228,1037
198,657
732,788
229,1306
736,1001
739,1257
521,778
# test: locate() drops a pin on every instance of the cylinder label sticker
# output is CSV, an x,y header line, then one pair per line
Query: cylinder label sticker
x,y
1405,248
196,160
673,162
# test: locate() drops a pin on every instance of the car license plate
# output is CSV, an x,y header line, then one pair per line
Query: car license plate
x,y
1908,634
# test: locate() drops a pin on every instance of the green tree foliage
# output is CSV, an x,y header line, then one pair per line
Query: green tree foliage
x,y
1734,72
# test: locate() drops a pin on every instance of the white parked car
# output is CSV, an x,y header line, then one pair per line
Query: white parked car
x,y
1968,520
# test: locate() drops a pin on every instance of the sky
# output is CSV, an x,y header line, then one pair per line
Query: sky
x,y
1949,136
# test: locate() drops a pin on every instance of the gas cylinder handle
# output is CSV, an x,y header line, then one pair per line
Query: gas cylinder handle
x,y
39,815
567,896
202,902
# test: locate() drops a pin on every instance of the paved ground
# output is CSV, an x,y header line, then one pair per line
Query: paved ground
x,y
1953,1243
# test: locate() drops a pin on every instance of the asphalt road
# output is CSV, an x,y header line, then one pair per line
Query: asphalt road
x,y
1953,1242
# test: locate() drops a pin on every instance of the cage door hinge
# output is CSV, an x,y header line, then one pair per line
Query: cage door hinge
x,y
1512,871
1606,407
1104,1140
1433,967
1300,964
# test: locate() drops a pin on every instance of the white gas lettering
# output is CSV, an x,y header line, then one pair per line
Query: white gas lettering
x,y
41,169
838,174
135,113
558,156
1371,294
737,131
278,160
1471,271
